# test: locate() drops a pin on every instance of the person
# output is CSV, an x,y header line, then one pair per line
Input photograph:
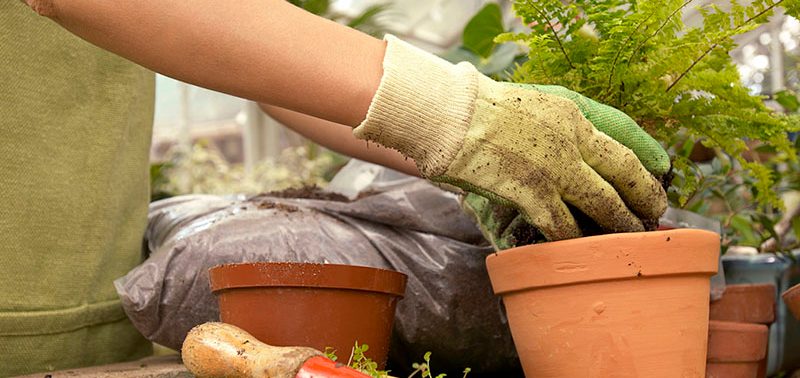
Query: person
x,y
536,148
75,130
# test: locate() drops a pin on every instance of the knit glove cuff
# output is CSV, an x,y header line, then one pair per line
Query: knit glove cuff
x,y
422,107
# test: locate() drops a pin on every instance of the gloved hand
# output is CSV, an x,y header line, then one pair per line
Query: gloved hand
x,y
515,145
506,228
616,124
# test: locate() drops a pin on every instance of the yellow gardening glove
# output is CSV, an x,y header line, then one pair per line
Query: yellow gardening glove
x,y
505,227
514,145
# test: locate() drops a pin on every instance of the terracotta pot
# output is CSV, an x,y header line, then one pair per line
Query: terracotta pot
x,y
746,303
314,305
618,305
792,299
735,349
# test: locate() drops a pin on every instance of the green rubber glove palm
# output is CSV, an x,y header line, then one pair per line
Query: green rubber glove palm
x,y
516,145
505,227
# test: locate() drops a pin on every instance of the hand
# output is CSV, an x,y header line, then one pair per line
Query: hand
x,y
506,228
617,125
516,145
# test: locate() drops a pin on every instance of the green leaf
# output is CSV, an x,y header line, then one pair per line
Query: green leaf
x,y
367,16
330,353
481,30
744,227
796,227
501,60
314,6
788,99
769,226
460,54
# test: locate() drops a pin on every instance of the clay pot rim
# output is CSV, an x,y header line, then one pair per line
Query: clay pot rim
x,y
791,292
604,258
731,333
791,297
749,303
750,287
724,325
306,275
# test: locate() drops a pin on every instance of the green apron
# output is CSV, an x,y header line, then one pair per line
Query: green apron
x,y
75,129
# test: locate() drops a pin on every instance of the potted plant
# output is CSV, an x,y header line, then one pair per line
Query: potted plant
x,y
587,305
622,305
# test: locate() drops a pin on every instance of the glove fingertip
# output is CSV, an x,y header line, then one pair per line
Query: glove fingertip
x,y
658,164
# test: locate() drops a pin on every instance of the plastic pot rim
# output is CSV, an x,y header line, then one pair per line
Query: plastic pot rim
x,y
306,276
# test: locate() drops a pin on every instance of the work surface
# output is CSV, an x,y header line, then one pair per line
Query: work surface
x,y
151,367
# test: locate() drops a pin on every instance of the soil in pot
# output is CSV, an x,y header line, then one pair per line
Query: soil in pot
x,y
315,305
618,305
735,350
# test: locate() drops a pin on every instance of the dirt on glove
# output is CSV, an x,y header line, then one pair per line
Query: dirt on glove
x,y
524,233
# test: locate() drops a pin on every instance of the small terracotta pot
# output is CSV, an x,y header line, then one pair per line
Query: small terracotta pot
x,y
792,299
314,305
618,305
735,349
746,303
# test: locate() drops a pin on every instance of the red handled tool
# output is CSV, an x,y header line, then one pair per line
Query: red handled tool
x,y
321,367
219,350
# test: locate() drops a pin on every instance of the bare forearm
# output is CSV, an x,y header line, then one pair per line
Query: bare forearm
x,y
340,138
265,50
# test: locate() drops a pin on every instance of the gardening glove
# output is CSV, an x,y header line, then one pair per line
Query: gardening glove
x,y
616,124
505,227
517,146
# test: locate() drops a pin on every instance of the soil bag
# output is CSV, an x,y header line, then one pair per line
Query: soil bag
x,y
369,216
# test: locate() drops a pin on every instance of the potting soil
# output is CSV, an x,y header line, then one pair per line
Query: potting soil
x,y
393,222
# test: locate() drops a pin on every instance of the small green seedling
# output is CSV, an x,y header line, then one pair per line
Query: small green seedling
x,y
359,361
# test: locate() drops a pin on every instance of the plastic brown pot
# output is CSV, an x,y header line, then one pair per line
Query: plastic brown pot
x,y
618,305
792,299
314,305
735,349
746,303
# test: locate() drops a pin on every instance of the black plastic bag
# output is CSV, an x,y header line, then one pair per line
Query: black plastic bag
x,y
394,222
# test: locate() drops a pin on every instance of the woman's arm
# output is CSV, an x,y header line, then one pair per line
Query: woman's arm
x,y
265,50
340,138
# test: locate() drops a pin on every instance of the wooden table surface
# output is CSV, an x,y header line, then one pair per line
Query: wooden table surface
x,y
150,367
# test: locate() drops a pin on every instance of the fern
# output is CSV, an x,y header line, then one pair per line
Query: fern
x,y
679,83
